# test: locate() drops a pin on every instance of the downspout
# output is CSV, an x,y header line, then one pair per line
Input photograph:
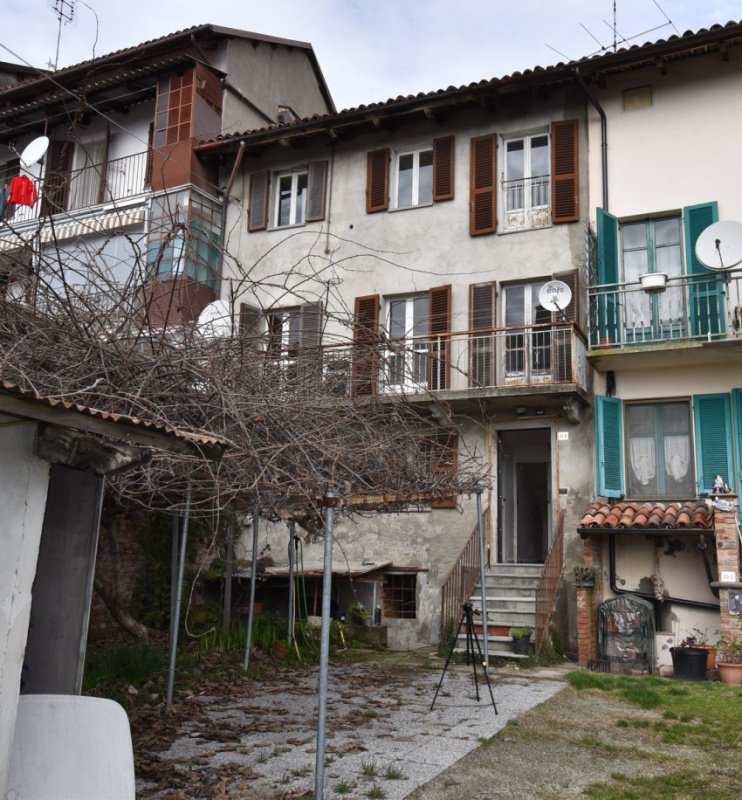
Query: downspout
x,y
603,134
330,178
225,208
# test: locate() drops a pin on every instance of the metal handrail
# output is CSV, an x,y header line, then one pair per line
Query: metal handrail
x,y
549,582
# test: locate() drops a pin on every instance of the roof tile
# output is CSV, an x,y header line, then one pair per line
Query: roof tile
x,y
651,515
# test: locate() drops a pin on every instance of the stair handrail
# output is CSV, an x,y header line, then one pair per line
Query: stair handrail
x,y
549,582
461,579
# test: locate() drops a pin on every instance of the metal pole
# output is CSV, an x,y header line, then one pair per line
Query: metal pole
x,y
324,652
174,560
227,609
292,588
178,597
482,581
253,576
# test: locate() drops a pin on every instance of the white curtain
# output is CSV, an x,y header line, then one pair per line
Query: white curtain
x,y
677,456
643,460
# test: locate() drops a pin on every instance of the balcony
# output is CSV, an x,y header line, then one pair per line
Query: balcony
x,y
113,181
527,203
465,366
695,319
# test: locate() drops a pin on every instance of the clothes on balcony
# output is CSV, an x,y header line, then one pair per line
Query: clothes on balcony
x,y
22,191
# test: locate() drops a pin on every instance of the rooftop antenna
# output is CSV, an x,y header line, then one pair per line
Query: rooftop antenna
x,y
65,11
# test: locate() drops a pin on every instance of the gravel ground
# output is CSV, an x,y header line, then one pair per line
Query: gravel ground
x,y
382,737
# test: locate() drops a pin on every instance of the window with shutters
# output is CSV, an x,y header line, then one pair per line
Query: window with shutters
x,y
293,353
528,339
291,198
286,198
659,460
414,178
526,182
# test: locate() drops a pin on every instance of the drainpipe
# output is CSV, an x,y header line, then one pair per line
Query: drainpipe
x,y
225,209
603,134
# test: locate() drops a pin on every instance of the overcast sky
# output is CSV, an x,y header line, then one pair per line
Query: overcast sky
x,y
369,50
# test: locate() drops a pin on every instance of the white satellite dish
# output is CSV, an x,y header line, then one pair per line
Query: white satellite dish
x,y
555,295
215,321
34,151
720,245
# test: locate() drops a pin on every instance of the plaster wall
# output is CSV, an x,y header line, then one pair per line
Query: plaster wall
x,y
23,489
269,76
640,384
680,150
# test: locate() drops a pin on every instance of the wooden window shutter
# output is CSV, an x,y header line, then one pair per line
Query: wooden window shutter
x,y
316,190
565,201
737,411
377,181
309,361
609,446
311,324
713,426
444,453
561,361
149,164
249,320
439,328
482,364
443,168
707,290
57,182
257,215
607,301
483,189
366,345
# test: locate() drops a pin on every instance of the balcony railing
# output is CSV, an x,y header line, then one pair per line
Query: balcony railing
x,y
511,358
527,202
691,308
111,181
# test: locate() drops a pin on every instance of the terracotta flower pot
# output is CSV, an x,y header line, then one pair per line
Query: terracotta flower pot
x,y
729,673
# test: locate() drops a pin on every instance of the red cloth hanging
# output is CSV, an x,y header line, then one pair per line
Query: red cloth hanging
x,y
22,191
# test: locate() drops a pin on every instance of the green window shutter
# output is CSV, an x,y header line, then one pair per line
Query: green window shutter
x,y
713,426
706,288
737,412
607,301
609,446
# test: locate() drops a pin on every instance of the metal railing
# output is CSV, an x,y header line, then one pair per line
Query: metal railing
x,y
110,181
527,202
460,581
549,581
690,308
527,356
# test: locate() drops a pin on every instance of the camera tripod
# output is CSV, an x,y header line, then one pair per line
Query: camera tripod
x,y
472,641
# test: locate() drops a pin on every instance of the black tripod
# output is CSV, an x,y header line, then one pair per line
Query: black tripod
x,y
472,640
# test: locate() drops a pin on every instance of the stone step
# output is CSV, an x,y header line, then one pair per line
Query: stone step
x,y
500,605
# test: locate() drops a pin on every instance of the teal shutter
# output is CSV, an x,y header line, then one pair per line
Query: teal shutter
x,y
713,426
607,317
609,446
736,481
706,285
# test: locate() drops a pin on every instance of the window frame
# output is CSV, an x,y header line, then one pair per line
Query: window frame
x,y
529,341
295,175
411,348
529,215
416,153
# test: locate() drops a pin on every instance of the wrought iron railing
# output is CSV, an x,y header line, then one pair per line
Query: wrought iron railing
x,y
460,581
689,308
110,181
549,581
527,202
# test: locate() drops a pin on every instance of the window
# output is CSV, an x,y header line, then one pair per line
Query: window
x,y
291,198
528,350
293,350
399,596
653,246
658,453
407,360
527,182
284,332
414,178
87,180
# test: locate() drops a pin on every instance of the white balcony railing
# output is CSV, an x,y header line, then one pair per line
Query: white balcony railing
x,y
111,181
527,202
704,307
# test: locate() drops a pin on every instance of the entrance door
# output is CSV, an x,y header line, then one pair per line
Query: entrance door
x,y
524,495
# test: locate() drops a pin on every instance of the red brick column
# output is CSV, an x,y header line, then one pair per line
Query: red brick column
x,y
588,598
727,551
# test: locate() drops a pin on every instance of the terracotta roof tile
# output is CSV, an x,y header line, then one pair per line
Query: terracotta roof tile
x,y
654,515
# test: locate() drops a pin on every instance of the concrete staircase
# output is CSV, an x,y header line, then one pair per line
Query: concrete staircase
x,y
511,603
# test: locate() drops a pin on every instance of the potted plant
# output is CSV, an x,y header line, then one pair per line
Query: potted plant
x,y
729,658
689,660
699,638
521,640
585,574
359,614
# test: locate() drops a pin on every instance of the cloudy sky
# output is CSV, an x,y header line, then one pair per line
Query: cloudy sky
x,y
375,49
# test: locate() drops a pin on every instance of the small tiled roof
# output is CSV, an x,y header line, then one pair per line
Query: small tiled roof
x,y
695,514
196,438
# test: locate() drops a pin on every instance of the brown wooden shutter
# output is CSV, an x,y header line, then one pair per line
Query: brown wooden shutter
x,y
366,345
316,183
150,156
309,361
444,453
439,328
443,171
565,203
257,215
249,320
377,181
311,324
482,365
483,190
563,338
57,182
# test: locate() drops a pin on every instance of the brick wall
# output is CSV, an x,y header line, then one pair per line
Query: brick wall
x,y
727,551
587,601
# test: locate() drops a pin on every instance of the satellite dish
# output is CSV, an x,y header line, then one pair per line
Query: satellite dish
x,y
215,321
720,245
555,295
34,151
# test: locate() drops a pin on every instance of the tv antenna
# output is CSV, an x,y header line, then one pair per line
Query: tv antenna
x,y
65,11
